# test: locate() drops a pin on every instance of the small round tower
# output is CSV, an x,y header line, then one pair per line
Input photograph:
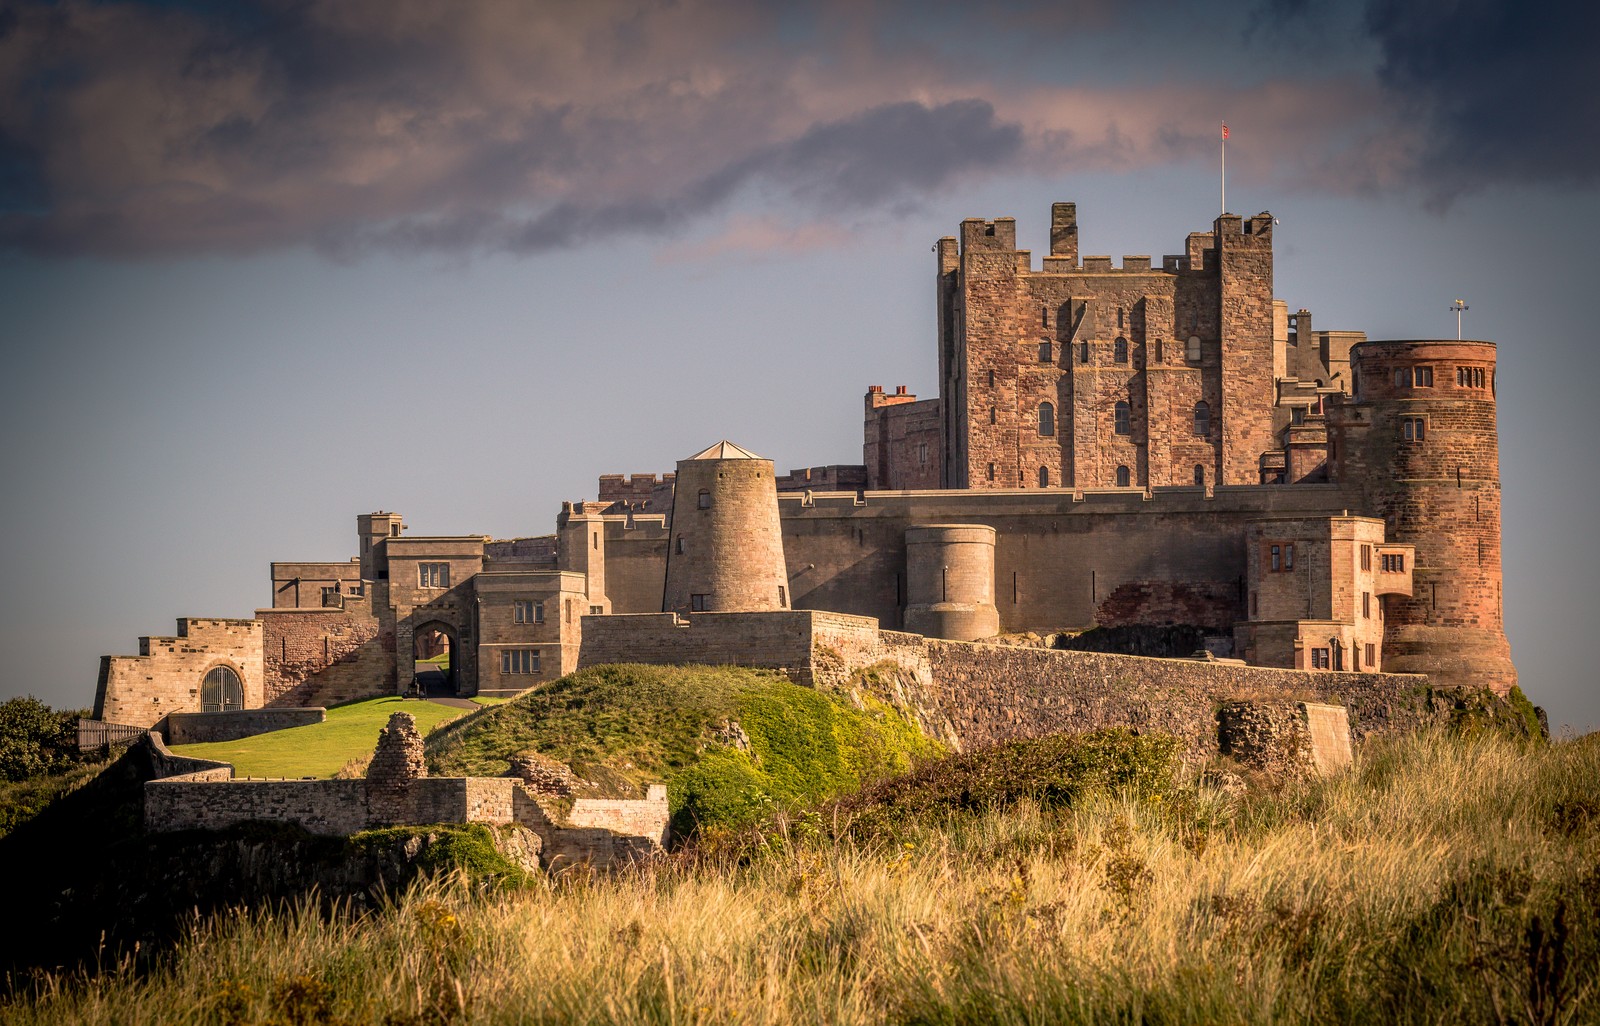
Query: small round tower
x,y
725,552
1419,441
950,582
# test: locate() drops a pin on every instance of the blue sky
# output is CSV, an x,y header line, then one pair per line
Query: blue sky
x,y
266,266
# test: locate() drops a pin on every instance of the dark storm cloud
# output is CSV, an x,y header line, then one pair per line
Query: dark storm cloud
x,y
136,128
1503,92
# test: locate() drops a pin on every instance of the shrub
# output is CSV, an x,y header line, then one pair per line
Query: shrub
x,y
34,740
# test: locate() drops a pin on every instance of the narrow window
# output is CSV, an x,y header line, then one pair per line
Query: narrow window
x,y
1202,418
1277,558
1044,316
1193,353
677,547
1083,352
704,499
1366,605
1297,415
1121,313
1123,477
993,415
1338,654
538,611
783,597
1288,556
991,379
1372,656
1255,604
1124,418
1045,353
991,471
1044,477
922,455
596,540
1402,377
1047,420
1158,350
698,603
1200,474
1366,557
1119,350
394,530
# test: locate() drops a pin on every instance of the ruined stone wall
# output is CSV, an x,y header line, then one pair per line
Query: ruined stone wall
x,y
322,657
199,728
165,677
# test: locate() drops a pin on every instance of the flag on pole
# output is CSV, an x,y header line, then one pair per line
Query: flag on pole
x,y
1224,129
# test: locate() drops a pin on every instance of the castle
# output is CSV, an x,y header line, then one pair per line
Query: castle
x,y
1123,446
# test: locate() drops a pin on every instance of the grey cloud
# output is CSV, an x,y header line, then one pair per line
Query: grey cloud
x,y
1502,92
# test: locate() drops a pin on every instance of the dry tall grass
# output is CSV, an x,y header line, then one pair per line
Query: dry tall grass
x,y
1442,880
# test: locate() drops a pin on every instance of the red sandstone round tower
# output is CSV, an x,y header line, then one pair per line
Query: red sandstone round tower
x,y
1419,443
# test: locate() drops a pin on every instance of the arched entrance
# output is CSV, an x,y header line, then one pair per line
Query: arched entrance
x,y
436,651
221,690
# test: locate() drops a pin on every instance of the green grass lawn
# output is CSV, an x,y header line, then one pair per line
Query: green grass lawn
x,y
319,750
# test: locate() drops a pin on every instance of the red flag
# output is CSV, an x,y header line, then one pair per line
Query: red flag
x,y
1224,129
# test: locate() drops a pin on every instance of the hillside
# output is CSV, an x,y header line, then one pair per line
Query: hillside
x,y
730,743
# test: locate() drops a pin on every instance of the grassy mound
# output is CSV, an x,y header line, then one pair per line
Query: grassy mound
x,y
319,749
633,725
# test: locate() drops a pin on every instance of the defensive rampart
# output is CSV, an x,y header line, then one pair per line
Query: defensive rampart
x,y
974,694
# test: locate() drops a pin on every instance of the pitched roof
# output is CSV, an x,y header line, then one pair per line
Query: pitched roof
x,y
726,450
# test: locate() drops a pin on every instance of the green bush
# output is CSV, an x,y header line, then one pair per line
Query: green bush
x,y
34,739
1053,771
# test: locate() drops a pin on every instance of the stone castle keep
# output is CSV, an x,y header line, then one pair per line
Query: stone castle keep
x,y
1144,445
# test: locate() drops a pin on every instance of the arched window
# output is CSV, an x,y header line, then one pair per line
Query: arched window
x,y
221,691
1119,350
1202,418
1124,418
1047,420
1044,477
1046,352
1193,352
1123,477
1200,474
992,415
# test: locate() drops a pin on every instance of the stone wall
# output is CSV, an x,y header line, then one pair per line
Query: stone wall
x,y
796,642
166,675
326,656
199,728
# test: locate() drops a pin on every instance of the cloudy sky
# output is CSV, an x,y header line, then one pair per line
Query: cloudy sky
x,y
264,266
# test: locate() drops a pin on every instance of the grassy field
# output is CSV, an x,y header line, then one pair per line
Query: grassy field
x,y
1442,880
350,733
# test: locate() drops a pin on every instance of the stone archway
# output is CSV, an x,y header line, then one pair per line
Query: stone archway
x,y
436,658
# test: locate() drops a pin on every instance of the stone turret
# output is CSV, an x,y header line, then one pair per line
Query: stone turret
x,y
725,553
1419,442
950,582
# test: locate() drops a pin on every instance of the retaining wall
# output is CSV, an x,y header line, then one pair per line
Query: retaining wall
x,y
197,728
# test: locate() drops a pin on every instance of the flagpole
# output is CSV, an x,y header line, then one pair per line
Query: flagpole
x,y
1224,167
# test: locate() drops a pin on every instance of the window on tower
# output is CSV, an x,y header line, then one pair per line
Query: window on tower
x,y
1123,417
1047,420
1119,350
1123,477
1046,352
1202,418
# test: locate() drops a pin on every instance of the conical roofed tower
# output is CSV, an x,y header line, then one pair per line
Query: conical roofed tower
x,y
726,549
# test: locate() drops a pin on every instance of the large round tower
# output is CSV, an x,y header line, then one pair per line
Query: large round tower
x,y
1419,441
725,553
